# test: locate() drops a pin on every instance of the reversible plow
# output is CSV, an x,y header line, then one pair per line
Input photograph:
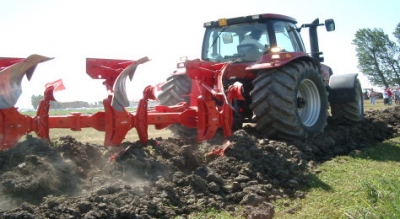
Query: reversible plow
x,y
209,109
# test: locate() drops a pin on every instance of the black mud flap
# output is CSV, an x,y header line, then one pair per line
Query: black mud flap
x,y
342,88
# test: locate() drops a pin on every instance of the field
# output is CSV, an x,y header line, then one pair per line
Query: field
x,y
364,184
349,171
378,105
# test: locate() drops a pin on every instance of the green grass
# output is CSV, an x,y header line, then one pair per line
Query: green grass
x,y
378,105
213,214
364,185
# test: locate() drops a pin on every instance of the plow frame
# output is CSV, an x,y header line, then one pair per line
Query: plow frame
x,y
203,114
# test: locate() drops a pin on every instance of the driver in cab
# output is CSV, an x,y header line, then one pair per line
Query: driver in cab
x,y
254,38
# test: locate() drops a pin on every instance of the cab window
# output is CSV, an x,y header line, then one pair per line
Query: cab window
x,y
286,36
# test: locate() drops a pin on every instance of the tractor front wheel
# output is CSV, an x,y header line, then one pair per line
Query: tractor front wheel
x,y
290,102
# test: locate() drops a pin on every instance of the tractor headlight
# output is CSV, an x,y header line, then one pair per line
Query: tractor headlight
x,y
276,49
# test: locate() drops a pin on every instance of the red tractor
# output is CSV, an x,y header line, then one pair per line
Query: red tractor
x,y
286,90
253,69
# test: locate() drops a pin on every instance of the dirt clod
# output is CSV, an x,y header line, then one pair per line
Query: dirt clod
x,y
172,177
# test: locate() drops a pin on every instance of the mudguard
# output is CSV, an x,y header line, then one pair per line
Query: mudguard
x,y
342,88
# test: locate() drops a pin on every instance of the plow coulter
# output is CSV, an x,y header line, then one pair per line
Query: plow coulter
x,y
209,109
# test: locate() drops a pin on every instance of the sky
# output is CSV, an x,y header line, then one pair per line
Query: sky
x,y
73,30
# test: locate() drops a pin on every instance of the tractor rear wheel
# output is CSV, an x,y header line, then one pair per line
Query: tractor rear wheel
x,y
290,102
177,89
352,111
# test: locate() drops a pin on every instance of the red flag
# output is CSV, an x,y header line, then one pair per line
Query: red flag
x,y
158,86
158,89
58,85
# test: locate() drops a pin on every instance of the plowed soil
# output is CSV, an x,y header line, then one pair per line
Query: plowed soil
x,y
172,177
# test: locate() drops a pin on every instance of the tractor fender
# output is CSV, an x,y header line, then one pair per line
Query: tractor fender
x,y
269,61
342,88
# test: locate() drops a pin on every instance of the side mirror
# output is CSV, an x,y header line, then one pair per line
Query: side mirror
x,y
330,25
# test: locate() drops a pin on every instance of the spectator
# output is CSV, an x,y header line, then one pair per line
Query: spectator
x,y
385,97
396,94
390,95
254,38
372,96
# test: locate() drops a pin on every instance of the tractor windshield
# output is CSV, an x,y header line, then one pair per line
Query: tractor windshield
x,y
221,43
246,42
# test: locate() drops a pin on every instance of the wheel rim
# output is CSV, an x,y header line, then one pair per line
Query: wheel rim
x,y
308,103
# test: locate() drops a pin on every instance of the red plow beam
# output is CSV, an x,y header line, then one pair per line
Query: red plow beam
x,y
115,121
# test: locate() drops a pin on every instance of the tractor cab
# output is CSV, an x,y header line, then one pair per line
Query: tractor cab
x,y
246,39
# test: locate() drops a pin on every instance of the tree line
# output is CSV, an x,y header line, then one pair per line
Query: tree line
x,y
378,56
35,101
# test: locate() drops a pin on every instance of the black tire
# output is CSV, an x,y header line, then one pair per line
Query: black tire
x,y
176,90
290,102
350,111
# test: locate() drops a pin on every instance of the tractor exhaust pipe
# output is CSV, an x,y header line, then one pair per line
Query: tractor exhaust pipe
x,y
330,26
